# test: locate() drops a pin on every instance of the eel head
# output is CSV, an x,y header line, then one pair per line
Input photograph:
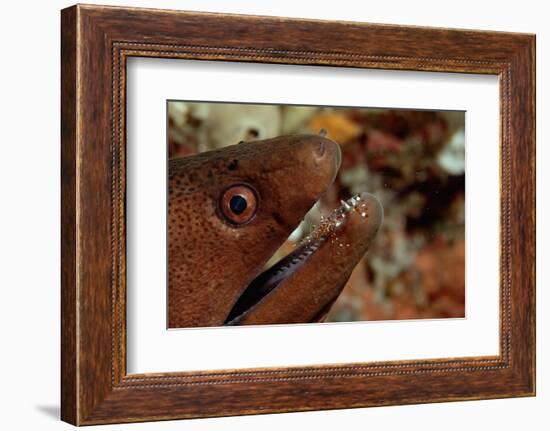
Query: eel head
x,y
230,210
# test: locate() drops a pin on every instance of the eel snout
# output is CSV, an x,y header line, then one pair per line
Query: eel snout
x,y
310,164
303,286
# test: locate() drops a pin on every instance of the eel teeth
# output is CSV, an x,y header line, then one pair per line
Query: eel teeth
x,y
346,205
329,224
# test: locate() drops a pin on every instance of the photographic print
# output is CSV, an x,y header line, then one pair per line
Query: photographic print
x,y
281,214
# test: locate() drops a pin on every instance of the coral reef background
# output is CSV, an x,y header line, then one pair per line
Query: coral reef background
x,y
412,160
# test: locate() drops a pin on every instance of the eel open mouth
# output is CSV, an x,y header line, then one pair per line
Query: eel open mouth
x,y
299,284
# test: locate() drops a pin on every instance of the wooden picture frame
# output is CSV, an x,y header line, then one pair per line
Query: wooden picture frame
x,y
96,41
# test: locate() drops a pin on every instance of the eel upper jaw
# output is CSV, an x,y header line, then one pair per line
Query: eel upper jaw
x,y
275,276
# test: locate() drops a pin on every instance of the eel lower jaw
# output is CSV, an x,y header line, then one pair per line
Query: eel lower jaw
x,y
270,279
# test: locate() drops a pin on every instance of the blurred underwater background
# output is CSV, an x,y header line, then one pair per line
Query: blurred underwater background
x,y
412,160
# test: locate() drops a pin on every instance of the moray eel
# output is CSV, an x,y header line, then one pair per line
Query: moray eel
x,y
231,209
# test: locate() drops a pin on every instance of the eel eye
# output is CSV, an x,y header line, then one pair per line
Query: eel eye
x,y
238,204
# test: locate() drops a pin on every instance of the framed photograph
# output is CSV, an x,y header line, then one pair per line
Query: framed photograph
x,y
264,214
